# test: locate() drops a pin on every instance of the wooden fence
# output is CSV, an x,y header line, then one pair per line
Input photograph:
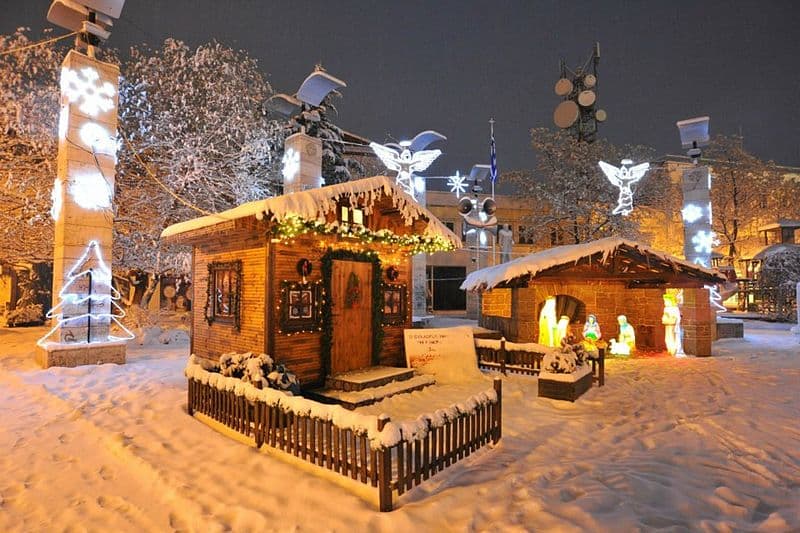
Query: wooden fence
x,y
527,362
346,452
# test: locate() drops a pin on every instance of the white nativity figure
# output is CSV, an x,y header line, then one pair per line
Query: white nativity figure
x,y
404,162
622,178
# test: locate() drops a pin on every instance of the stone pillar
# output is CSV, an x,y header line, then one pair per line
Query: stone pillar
x,y
302,163
698,322
796,327
82,209
696,185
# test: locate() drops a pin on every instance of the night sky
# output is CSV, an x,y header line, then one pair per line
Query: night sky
x,y
451,65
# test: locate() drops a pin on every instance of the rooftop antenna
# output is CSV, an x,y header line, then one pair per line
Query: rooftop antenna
x,y
578,89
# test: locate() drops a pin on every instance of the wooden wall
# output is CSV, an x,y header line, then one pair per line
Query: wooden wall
x,y
301,352
249,245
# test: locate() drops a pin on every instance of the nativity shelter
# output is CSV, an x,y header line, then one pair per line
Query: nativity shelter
x,y
607,278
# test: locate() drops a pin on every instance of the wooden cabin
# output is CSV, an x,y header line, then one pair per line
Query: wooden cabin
x,y
606,278
319,279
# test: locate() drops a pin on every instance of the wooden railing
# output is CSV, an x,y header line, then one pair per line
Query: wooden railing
x,y
520,361
349,453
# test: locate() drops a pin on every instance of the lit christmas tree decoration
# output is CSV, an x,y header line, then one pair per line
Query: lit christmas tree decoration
x,y
87,303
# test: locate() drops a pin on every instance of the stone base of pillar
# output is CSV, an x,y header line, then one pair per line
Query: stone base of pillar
x,y
56,354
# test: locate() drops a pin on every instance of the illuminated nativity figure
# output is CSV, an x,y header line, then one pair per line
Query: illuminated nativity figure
x,y
671,319
591,333
547,323
625,343
562,329
623,177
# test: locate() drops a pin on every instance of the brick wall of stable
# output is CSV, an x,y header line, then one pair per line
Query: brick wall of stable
x,y
515,312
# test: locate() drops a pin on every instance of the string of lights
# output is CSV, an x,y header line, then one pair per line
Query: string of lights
x,y
38,44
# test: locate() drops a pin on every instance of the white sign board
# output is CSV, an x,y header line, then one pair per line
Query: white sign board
x,y
446,353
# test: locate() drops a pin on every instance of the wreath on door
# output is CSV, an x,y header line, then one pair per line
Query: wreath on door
x,y
353,294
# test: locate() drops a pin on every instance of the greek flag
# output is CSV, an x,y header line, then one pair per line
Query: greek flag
x,y
493,160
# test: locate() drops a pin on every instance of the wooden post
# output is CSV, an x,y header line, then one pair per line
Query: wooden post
x,y
384,472
602,364
498,410
259,423
503,355
190,404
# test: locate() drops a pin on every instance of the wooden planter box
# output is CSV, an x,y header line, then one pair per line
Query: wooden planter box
x,y
564,390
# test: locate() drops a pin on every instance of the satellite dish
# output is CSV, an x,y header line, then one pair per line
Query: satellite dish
x,y
600,115
566,114
589,80
317,86
586,98
479,172
563,87
283,105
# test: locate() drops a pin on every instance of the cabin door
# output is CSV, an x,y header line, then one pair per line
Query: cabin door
x,y
351,307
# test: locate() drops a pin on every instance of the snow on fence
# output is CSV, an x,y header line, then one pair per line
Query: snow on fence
x,y
369,449
524,358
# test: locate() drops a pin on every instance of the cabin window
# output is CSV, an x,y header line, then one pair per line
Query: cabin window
x,y
300,306
394,304
224,292
351,215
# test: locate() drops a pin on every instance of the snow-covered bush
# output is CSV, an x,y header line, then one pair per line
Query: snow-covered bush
x,y
29,315
560,361
258,369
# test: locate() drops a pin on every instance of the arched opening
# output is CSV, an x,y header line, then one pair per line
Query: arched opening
x,y
556,316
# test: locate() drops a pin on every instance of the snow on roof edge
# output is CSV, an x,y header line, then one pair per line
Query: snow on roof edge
x,y
313,204
536,262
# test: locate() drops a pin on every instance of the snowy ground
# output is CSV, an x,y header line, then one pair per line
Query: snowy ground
x,y
698,444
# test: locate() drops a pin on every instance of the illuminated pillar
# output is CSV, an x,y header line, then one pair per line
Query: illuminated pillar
x,y
302,163
419,271
82,210
698,237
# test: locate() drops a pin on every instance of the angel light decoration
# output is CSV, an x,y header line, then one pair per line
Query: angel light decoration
x,y
408,157
622,178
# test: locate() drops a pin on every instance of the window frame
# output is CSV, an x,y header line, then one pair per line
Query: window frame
x,y
234,316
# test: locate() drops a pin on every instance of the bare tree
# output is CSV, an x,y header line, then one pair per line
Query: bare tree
x,y
573,199
741,191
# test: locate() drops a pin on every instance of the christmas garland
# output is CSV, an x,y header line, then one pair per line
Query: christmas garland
x,y
293,225
377,303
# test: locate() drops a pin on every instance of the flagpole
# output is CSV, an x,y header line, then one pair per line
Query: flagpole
x,y
491,133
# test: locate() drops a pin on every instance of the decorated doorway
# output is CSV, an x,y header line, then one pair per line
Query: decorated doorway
x,y
351,315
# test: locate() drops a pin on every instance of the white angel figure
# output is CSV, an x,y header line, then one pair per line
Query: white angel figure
x,y
623,177
404,162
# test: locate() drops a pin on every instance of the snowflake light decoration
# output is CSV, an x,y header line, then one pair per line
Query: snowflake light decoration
x,y
457,184
692,213
97,138
704,241
90,190
291,164
84,87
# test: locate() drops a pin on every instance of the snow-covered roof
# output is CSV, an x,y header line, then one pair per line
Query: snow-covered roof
x,y
314,204
532,264
773,249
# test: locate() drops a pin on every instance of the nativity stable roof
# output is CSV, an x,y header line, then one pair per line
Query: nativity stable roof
x,y
314,204
535,263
